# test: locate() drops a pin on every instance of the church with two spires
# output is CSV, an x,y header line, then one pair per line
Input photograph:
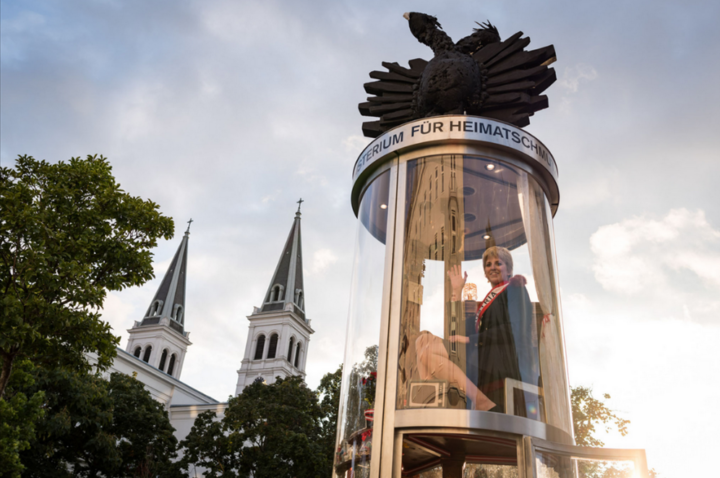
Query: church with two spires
x,y
277,341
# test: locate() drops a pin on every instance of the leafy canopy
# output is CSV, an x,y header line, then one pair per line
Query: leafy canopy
x,y
68,234
589,412
267,431
97,427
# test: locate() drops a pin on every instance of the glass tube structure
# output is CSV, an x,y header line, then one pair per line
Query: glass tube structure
x,y
455,356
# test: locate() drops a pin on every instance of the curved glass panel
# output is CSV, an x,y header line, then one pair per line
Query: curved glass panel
x,y
357,395
480,320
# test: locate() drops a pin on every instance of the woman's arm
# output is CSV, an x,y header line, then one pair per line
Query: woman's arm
x,y
457,282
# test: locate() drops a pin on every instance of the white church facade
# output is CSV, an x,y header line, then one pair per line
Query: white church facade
x,y
277,342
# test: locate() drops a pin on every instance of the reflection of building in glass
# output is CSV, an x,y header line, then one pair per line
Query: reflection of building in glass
x,y
435,225
469,292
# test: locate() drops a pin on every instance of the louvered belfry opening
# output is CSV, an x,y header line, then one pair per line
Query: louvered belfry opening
x,y
272,348
260,348
148,351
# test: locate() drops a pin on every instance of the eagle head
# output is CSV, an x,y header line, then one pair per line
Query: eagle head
x,y
421,24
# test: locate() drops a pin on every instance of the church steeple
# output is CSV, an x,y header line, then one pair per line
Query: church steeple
x,y
286,287
160,338
279,331
169,300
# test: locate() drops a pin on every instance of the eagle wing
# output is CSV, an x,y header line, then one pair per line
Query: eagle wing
x,y
516,79
393,100
513,80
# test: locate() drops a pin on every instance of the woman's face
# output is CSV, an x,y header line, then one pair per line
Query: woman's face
x,y
495,271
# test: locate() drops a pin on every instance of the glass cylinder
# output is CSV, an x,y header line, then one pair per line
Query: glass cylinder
x,y
357,397
480,308
455,347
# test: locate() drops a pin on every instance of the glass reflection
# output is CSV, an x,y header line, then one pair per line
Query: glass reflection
x,y
549,465
495,347
357,396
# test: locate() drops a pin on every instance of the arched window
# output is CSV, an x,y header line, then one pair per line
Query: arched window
x,y
299,298
272,349
171,367
155,308
178,313
260,348
289,355
297,355
137,351
148,351
276,293
163,358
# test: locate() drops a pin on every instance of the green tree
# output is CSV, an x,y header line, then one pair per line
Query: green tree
x,y
73,437
141,426
329,393
68,234
589,412
267,431
96,427
18,415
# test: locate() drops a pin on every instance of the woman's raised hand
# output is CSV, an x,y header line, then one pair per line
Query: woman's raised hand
x,y
457,281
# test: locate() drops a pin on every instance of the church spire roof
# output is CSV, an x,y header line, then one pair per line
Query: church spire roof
x,y
286,287
169,300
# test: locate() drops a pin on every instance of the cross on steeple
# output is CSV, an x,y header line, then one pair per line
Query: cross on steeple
x,y
189,223
300,204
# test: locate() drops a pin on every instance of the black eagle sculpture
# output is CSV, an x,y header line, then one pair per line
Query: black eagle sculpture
x,y
479,75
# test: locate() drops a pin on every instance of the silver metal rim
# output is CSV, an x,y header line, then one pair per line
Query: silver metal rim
x,y
496,139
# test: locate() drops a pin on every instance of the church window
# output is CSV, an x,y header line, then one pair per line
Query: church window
x,y
260,348
178,313
137,351
299,298
148,351
163,358
289,355
272,349
172,365
276,293
155,308
297,355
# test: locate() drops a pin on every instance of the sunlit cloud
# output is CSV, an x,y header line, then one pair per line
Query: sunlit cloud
x,y
672,259
574,75
321,260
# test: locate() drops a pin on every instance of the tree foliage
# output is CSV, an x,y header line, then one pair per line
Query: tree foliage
x,y
359,398
19,413
267,431
96,427
68,234
329,393
589,412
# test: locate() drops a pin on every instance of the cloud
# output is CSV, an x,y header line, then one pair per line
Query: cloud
x,y
355,143
321,260
116,311
674,260
573,74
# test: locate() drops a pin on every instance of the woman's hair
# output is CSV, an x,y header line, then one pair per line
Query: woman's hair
x,y
502,254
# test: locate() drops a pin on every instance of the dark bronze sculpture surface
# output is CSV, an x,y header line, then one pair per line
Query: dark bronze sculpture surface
x,y
479,75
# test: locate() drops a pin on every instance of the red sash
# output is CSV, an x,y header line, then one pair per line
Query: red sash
x,y
489,298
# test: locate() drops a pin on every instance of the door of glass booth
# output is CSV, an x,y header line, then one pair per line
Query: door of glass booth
x,y
455,357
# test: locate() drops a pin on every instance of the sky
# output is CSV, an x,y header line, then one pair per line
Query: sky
x,y
228,112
